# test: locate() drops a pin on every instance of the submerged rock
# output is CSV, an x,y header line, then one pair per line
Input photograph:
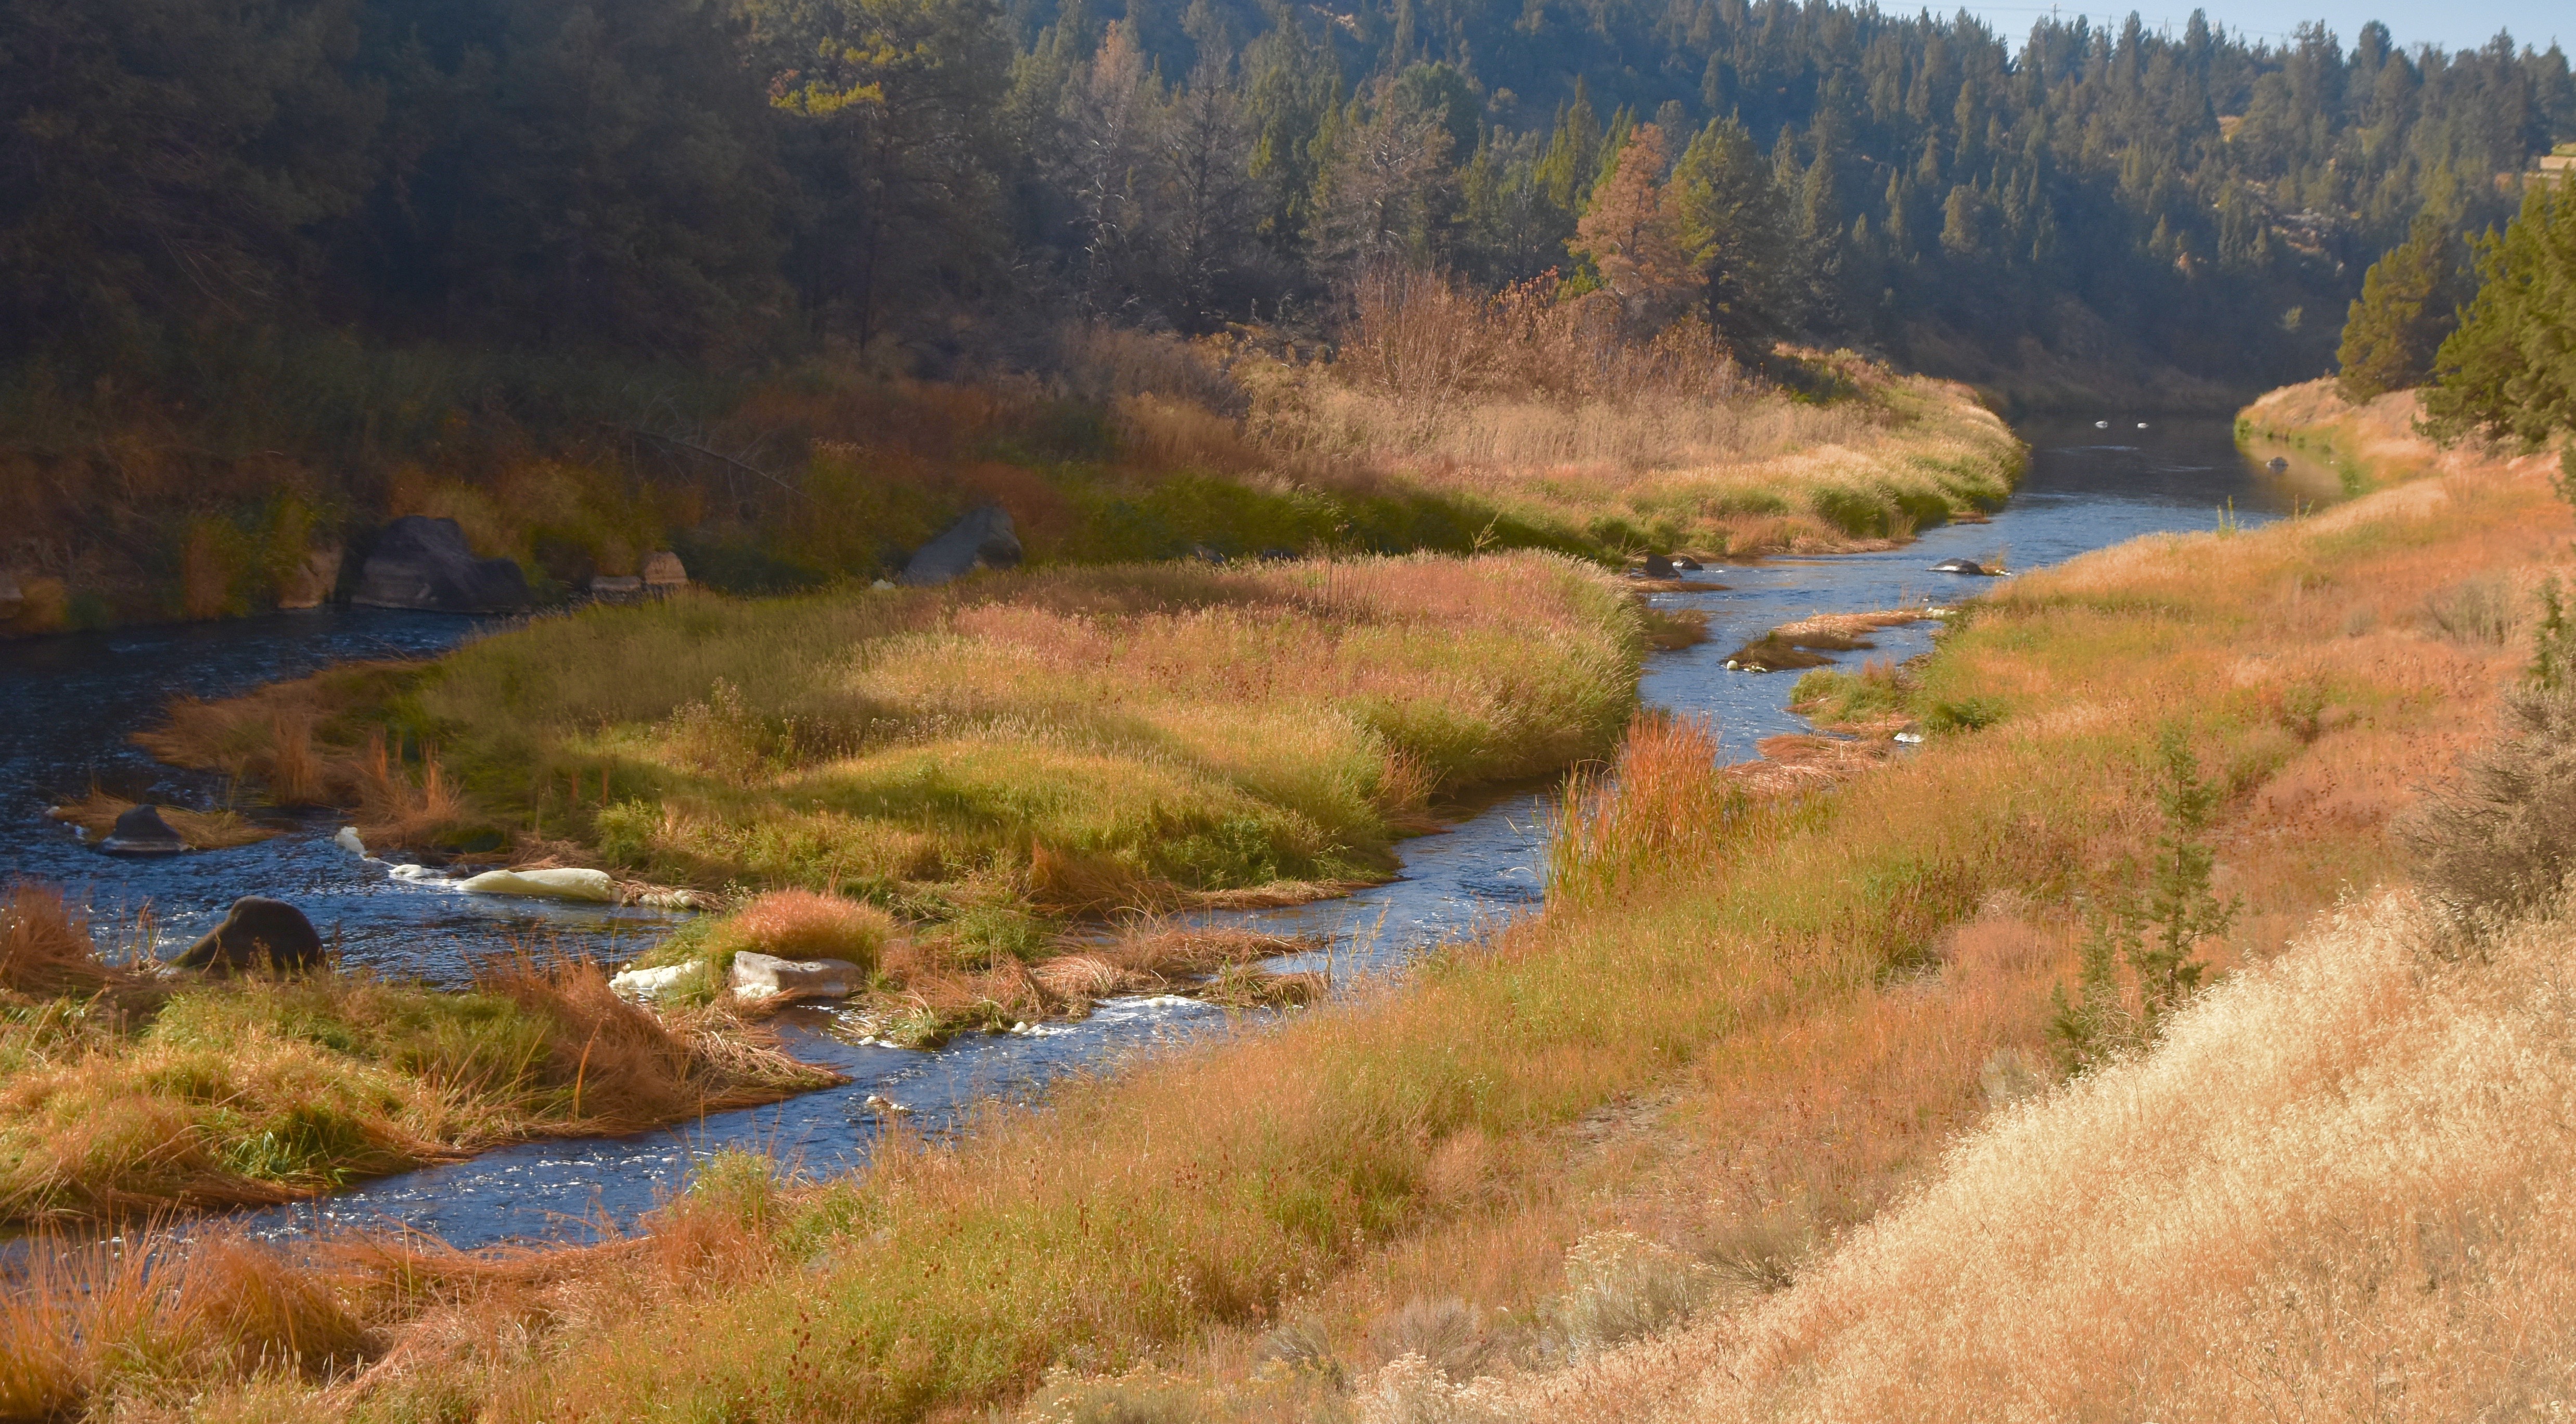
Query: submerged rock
x,y
2276,464
424,563
553,884
766,976
981,540
258,933
1686,563
1969,567
141,831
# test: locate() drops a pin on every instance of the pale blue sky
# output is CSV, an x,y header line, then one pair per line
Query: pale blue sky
x,y
2463,25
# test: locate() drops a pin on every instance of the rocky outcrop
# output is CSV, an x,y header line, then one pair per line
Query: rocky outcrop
x,y
424,563
663,572
766,976
552,884
982,540
141,831
258,933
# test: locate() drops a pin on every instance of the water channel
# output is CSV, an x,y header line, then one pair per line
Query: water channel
x,y
71,702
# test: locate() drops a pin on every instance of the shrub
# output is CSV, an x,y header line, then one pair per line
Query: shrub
x,y
1621,1287
2155,941
2473,611
2498,845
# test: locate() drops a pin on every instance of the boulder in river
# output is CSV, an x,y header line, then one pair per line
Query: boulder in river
x,y
766,976
982,539
141,831
1660,566
424,563
258,933
2276,464
1969,567
562,883
647,983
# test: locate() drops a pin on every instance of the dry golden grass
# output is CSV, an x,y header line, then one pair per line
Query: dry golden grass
x,y
1549,412
799,924
2331,1193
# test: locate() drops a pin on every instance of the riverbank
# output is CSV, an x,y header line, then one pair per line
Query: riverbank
x,y
1746,1023
257,479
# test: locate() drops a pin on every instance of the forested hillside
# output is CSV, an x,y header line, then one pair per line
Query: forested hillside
x,y
933,182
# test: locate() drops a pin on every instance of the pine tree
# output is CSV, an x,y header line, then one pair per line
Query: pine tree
x,y
2510,370
2406,307
1727,217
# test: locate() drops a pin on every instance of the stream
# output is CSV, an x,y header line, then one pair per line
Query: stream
x,y
71,702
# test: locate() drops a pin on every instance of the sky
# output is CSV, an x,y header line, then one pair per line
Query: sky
x,y
2458,24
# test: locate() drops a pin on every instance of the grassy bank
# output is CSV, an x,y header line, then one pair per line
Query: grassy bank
x,y
1536,409
240,478
126,1095
2317,431
1745,1022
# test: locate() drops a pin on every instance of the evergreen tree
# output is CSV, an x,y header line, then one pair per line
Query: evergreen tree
x,y
2408,304
1726,215
2510,369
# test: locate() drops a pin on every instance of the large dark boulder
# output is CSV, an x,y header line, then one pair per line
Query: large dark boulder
x,y
1661,566
423,563
1969,567
981,540
141,831
259,933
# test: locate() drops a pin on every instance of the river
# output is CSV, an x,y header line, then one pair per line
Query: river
x,y
71,703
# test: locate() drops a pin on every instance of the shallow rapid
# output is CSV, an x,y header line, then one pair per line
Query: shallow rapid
x,y
71,703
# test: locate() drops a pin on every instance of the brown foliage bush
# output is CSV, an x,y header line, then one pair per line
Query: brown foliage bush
x,y
2500,843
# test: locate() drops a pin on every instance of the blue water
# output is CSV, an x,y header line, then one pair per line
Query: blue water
x,y
71,702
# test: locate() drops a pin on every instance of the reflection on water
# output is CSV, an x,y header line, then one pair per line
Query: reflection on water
x,y
70,702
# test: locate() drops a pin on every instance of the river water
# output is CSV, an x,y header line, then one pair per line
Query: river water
x,y
70,704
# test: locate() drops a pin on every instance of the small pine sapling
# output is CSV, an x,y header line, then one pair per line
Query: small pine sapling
x,y
2156,941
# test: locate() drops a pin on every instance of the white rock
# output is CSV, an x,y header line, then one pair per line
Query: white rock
x,y
884,1106
348,840
567,884
647,983
409,871
766,976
